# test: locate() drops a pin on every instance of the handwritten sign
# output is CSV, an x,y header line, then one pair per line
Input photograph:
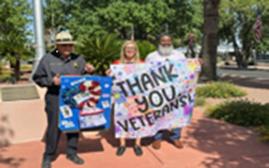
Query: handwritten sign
x,y
153,96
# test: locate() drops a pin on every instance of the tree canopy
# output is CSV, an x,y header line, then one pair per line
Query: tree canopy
x,y
14,18
149,18
86,19
237,20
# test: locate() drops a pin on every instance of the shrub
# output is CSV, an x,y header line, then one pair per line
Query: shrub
x,y
264,131
3,69
244,113
219,59
26,67
100,51
220,90
5,78
199,101
145,48
241,112
4,73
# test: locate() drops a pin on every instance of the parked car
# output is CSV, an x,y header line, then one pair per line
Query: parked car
x,y
30,60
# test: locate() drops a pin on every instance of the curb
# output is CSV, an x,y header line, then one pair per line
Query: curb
x,y
242,76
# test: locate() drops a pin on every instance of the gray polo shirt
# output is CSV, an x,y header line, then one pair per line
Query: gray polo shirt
x,y
53,63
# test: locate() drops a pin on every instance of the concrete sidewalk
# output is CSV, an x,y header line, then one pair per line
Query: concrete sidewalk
x,y
208,143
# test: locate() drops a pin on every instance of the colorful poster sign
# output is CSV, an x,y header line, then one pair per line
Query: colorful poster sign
x,y
85,102
153,96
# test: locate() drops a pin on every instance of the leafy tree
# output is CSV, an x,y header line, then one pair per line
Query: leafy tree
x,y
13,33
237,19
13,50
96,17
148,19
55,18
188,19
77,16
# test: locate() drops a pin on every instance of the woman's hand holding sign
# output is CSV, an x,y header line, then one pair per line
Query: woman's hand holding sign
x,y
108,72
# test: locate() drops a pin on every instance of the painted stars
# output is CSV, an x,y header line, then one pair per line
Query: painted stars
x,y
129,69
192,65
119,98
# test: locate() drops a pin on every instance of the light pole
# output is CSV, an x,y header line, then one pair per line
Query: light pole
x,y
39,34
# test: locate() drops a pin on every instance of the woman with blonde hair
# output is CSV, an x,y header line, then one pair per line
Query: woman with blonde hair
x,y
129,55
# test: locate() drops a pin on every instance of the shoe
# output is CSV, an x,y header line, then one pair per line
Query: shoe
x,y
46,163
156,144
120,150
75,159
178,144
138,151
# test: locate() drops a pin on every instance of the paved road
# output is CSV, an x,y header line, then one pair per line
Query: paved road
x,y
252,73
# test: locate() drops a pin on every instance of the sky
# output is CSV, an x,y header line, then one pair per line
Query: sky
x,y
31,25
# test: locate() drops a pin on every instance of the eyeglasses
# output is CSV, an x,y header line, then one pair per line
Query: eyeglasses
x,y
130,48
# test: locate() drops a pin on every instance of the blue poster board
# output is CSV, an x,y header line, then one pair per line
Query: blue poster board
x,y
85,103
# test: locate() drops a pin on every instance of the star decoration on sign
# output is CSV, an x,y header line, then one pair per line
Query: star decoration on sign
x,y
129,69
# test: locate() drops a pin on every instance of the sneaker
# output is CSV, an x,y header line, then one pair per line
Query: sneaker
x,y
46,163
120,150
138,151
75,159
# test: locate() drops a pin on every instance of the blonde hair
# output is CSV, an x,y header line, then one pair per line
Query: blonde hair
x,y
136,56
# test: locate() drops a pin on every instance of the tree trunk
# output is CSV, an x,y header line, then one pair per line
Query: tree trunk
x,y
17,70
238,55
48,37
210,40
247,50
54,32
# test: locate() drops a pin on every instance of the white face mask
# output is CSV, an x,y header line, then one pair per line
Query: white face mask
x,y
166,50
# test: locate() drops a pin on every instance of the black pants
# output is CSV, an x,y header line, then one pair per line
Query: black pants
x,y
53,132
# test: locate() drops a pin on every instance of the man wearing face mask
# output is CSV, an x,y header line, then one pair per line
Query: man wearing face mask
x,y
166,52
59,62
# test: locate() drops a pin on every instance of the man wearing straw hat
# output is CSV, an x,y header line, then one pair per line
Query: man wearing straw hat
x,y
59,62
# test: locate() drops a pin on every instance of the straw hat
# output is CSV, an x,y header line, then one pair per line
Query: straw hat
x,y
64,38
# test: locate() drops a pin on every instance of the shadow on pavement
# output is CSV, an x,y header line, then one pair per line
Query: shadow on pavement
x,y
7,133
10,161
228,145
244,69
247,82
114,142
85,145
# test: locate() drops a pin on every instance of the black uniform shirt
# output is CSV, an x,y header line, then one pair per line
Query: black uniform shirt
x,y
52,64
